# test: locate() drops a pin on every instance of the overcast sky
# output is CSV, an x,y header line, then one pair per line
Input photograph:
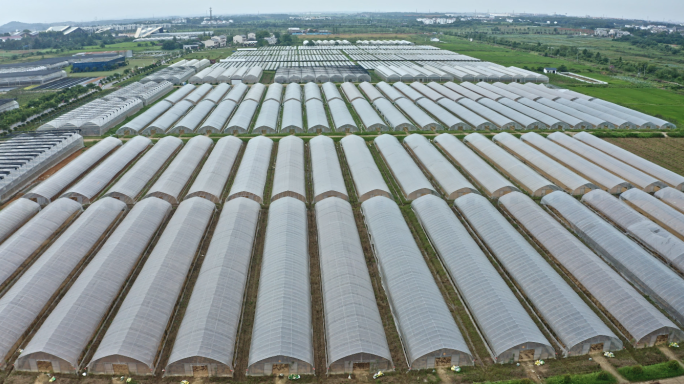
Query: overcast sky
x,y
54,11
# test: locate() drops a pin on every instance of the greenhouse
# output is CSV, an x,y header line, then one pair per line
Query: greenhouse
x,y
95,181
648,273
511,335
500,91
639,227
342,119
371,92
293,92
139,123
67,331
47,190
671,178
547,167
289,179
389,91
614,120
15,215
515,169
242,118
660,123
216,95
610,164
446,92
577,327
180,94
199,93
199,77
131,184
479,170
218,118
292,122
369,117
236,94
500,121
355,337
25,243
206,339
255,92
428,332
176,176
423,120
325,170
451,182
408,175
267,121
567,121
316,118
132,341
350,91
481,91
395,119
166,121
644,323
253,75
368,181
190,122
471,119
661,213
634,120
550,121
671,197
523,121
312,91
537,91
282,334
274,92
461,90
594,121
251,175
449,121
212,179
427,92
29,294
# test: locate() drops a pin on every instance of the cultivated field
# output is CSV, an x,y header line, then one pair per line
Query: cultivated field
x,y
668,153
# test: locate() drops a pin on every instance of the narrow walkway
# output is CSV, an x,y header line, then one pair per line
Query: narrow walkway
x,y
531,373
608,367
670,355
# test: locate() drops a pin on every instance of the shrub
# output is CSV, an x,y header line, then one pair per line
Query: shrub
x,y
637,370
652,372
603,376
567,379
673,365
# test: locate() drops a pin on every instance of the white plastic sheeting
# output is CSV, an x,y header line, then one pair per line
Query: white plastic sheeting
x,y
282,320
659,122
293,91
639,317
571,319
409,92
267,121
427,91
390,92
289,179
410,178
325,170
449,121
237,92
581,166
354,330
525,121
463,91
190,122
482,173
165,121
672,179
274,92
242,118
446,92
395,119
610,164
292,117
331,92
371,92
27,240
471,119
639,227
209,329
612,119
668,217
199,93
27,297
70,326
48,189
341,117
134,181
425,324
350,91
368,180
423,120
523,175
503,321
94,182
180,94
316,118
15,215
550,121
671,197
217,93
568,121
251,176
218,117
255,92
171,183
141,121
549,168
369,117
213,177
452,183
137,330
312,91
648,273
499,120
593,120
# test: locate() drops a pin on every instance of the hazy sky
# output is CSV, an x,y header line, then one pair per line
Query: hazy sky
x,y
53,11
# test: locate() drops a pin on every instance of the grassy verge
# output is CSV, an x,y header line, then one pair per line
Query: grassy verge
x,y
652,372
591,378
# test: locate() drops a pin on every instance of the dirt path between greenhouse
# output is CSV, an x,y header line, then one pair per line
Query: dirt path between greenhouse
x,y
608,367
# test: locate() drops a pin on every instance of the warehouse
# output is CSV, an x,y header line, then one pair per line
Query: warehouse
x,y
206,339
22,79
282,335
131,184
649,274
645,231
661,213
451,182
49,189
428,332
242,118
166,121
218,118
515,169
395,119
368,181
325,170
133,339
178,174
342,119
671,178
27,297
289,179
422,120
369,117
190,122
477,169
15,215
644,323
25,243
251,176
410,178
291,121
67,331
94,182
571,182
355,337
610,164
316,118
213,177
488,297
577,327
671,197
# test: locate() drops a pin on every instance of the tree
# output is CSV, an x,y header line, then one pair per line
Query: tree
x,y
169,45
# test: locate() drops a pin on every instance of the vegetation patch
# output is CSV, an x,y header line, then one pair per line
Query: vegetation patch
x,y
602,377
652,372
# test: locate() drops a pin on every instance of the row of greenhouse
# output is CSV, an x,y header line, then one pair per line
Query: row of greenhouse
x,y
133,190
393,71
225,73
178,73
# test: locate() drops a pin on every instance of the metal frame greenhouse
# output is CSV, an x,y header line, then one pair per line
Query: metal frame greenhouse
x,y
368,181
250,179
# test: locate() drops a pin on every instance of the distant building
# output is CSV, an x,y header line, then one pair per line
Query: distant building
x,y
215,42
251,36
271,40
191,46
239,39
67,30
550,70
98,63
